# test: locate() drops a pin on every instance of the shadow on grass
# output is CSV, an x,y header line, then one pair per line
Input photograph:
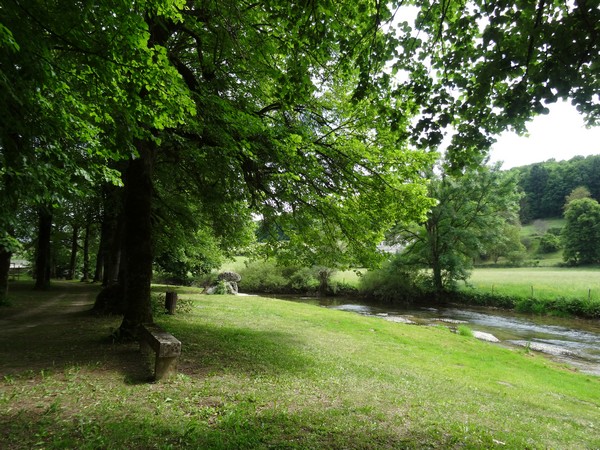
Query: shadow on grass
x,y
54,330
213,349
237,428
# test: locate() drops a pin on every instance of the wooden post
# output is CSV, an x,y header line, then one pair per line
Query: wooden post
x,y
171,302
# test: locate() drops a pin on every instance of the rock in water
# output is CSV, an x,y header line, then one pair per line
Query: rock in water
x,y
485,336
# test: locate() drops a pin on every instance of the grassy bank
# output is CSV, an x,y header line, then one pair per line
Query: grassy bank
x,y
539,290
263,373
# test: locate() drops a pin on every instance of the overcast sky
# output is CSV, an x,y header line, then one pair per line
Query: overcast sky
x,y
560,135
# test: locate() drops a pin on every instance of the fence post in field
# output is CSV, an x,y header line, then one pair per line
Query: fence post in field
x,y
531,291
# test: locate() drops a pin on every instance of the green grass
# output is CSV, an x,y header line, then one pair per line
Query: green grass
x,y
348,277
263,373
542,283
540,226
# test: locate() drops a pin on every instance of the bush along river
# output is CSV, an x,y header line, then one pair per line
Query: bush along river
x,y
575,342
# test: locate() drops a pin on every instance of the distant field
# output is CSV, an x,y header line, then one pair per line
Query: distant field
x,y
540,226
349,277
541,282
238,263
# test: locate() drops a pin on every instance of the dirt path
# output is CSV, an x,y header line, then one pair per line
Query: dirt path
x,y
53,330
59,305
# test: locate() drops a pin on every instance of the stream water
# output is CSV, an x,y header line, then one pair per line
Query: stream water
x,y
572,341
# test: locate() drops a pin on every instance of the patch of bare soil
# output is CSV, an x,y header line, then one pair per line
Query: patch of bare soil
x,y
55,330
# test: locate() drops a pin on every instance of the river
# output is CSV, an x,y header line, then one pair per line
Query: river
x,y
575,342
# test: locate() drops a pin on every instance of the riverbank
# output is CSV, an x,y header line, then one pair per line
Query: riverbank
x,y
263,373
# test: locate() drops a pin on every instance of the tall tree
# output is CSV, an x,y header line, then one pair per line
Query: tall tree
x,y
581,233
471,212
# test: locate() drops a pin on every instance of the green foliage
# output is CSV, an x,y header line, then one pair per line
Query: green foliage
x,y
549,185
307,113
581,234
550,243
516,258
262,276
221,288
395,282
270,277
464,330
577,194
301,279
469,219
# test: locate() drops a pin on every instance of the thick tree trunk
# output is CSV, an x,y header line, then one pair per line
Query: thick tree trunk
x,y
112,267
4,273
86,253
42,260
74,248
111,299
138,241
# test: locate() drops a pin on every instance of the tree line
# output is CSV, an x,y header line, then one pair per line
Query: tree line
x,y
546,185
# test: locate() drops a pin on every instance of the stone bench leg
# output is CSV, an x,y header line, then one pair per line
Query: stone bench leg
x,y
165,366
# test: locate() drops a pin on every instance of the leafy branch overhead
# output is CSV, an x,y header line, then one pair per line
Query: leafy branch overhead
x,y
316,115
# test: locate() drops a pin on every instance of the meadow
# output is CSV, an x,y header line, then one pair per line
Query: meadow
x,y
264,373
544,283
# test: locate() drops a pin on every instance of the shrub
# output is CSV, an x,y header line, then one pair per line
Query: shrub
x,y
464,330
555,231
262,276
516,258
205,280
301,279
549,243
393,282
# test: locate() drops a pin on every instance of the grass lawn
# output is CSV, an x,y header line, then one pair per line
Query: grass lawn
x,y
264,373
545,283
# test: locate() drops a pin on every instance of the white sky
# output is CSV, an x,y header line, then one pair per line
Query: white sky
x,y
561,134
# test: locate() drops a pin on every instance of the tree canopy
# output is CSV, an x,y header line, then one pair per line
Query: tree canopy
x,y
306,112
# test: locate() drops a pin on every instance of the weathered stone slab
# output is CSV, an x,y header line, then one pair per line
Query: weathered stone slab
x,y
166,347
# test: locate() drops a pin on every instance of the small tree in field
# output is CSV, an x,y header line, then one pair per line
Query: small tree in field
x,y
470,219
581,234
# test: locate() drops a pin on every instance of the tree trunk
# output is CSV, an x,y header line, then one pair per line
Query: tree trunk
x,y
438,283
86,253
74,248
99,270
4,273
111,299
42,260
436,264
324,275
138,241
112,267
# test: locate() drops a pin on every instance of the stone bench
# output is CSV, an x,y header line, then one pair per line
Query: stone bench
x,y
166,347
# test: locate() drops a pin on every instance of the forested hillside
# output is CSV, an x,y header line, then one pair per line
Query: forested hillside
x,y
545,185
